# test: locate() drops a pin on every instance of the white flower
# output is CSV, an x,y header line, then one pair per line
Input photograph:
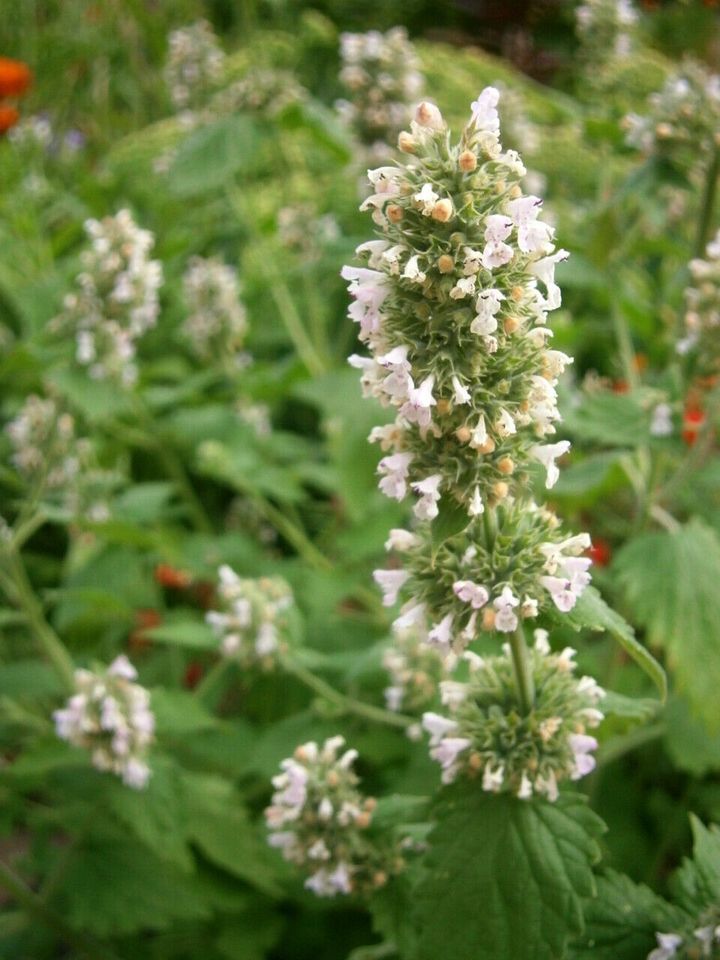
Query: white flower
x,y
493,779
401,540
668,944
465,287
437,726
426,508
441,634
426,199
533,236
544,270
547,454
484,112
472,593
661,424
446,753
394,470
505,425
476,506
390,582
420,400
412,270
505,619
460,393
581,745
488,305
496,252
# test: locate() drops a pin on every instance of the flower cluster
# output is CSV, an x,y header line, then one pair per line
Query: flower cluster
x,y
266,91
487,736
216,325
252,623
685,114
320,821
110,716
489,577
301,230
606,26
703,942
453,305
415,669
49,454
117,298
380,73
194,64
702,316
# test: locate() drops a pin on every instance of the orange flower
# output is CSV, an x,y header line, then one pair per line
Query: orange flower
x,y
8,118
172,578
15,77
144,620
693,420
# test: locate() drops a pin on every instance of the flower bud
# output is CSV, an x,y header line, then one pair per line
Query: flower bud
x,y
428,115
407,142
467,161
445,263
442,211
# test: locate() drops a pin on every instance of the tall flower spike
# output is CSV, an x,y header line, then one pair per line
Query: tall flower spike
x,y
194,64
216,325
381,76
453,305
320,821
252,623
702,317
110,716
116,300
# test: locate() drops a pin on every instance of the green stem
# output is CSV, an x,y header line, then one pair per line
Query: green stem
x,y
212,678
523,670
19,583
28,899
348,704
708,203
294,326
625,346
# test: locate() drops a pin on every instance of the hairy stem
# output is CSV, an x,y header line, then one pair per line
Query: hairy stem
x,y
348,704
707,207
523,670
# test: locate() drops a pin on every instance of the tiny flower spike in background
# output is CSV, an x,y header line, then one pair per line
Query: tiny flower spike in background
x,y
116,300
109,715
320,821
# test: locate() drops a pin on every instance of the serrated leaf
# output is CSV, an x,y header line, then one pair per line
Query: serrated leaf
x,y
452,518
622,920
592,613
211,156
505,878
670,581
688,742
220,827
156,815
616,420
114,885
178,712
696,885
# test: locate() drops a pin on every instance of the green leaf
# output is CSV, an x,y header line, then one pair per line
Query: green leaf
x,y
211,156
616,420
156,815
622,920
220,827
670,582
251,935
194,634
592,613
689,744
696,885
452,519
505,878
114,885
178,712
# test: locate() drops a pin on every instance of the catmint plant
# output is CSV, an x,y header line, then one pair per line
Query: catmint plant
x,y
116,298
320,821
606,27
252,622
216,324
194,65
381,75
702,314
109,715
454,306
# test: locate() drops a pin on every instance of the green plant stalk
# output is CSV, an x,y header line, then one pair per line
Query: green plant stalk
x,y
523,670
212,678
347,704
24,595
707,206
27,898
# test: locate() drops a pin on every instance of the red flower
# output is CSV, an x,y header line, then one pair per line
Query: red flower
x,y
693,420
15,77
8,118
144,620
193,674
600,552
172,578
